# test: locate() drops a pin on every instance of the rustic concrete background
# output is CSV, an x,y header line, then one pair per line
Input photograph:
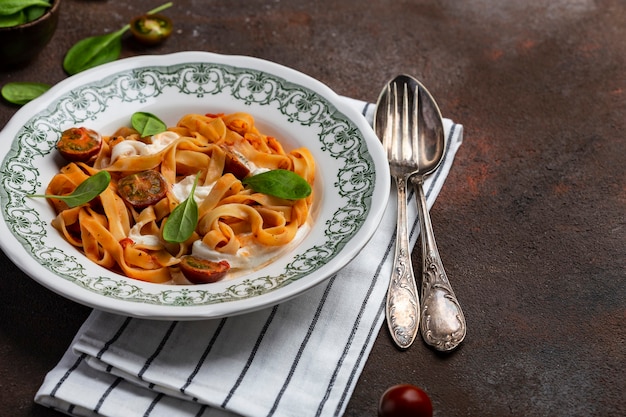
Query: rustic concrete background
x,y
530,224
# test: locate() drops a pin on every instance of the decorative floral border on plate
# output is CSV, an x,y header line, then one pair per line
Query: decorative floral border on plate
x,y
338,136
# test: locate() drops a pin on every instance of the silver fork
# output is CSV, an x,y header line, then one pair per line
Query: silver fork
x,y
396,110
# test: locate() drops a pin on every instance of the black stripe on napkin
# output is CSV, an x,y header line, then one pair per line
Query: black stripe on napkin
x,y
71,369
106,394
158,350
251,357
113,339
152,405
303,344
204,356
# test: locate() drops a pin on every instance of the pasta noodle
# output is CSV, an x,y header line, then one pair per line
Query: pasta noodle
x,y
235,223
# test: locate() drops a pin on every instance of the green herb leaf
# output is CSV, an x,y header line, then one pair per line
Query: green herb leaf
x,y
8,7
279,183
15,19
86,191
93,51
183,220
23,92
147,124
35,12
96,50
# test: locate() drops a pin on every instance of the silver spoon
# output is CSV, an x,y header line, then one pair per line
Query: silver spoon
x,y
442,321
394,123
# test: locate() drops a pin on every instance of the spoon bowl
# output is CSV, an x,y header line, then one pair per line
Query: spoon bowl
x,y
430,138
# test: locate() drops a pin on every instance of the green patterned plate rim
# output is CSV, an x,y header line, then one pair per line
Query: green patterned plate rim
x,y
352,192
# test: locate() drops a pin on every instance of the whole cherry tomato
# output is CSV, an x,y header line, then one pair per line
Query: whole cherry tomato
x,y
405,400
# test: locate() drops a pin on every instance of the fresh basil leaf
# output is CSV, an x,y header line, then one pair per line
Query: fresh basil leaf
x,y
279,183
8,7
96,50
183,220
147,124
22,92
86,191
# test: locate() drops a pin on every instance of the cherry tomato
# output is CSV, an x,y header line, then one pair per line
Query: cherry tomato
x,y
233,165
203,271
151,29
79,144
142,189
405,400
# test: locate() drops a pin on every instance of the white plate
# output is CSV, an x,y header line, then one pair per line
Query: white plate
x,y
352,179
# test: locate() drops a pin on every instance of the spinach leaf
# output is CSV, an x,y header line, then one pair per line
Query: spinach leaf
x,y
147,124
96,50
8,7
279,183
86,191
182,221
15,19
35,12
18,12
23,92
93,51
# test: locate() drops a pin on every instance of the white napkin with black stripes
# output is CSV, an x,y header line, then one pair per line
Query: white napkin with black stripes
x,y
300,358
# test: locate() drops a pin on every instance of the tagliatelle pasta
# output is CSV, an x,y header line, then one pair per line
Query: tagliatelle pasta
x,y
235,224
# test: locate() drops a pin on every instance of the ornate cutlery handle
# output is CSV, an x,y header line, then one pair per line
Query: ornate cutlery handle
x,y
443,322
402,306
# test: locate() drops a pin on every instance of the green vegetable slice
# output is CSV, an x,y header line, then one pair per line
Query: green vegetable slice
x,y
279,183
86,191
147,124
22,92
183,220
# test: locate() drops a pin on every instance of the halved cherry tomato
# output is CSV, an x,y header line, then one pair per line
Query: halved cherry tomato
x,y
203,271
79,144
151,29
142,189
233,165
405,400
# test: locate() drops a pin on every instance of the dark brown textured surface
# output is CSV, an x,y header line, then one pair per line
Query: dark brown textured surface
x,y
530,223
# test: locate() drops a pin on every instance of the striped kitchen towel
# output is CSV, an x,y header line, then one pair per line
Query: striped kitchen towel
x,y
299,358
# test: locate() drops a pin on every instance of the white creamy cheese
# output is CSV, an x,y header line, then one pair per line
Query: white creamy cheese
x,y
182,189
127,148
250,256
148,240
